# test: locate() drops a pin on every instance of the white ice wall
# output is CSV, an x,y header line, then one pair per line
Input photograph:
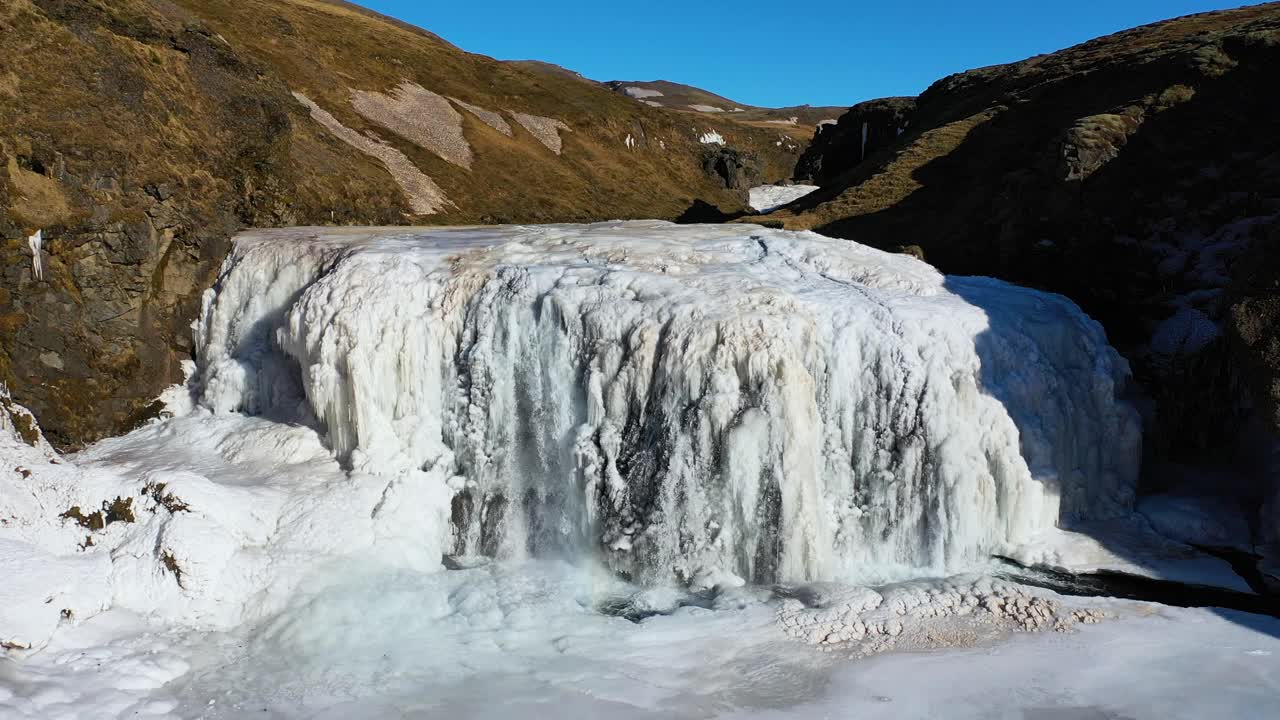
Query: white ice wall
x,y
686,402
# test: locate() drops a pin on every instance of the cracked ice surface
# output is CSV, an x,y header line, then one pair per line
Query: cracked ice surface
x,y
698,404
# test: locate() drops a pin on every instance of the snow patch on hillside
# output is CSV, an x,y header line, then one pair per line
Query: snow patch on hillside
x,y
488,117
424,195
545,129
419,116
640,93
765,198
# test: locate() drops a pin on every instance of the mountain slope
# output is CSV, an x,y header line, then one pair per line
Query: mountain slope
x,y
799,120
139,134
1139,174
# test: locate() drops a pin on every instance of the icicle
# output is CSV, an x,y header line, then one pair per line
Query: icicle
x,y
37,266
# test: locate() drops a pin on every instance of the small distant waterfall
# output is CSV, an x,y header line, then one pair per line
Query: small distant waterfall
x,y
682,403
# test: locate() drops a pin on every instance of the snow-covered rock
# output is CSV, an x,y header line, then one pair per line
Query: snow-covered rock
x,y
681,400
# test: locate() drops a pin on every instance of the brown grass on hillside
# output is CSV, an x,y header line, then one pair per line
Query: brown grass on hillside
x,y
876,188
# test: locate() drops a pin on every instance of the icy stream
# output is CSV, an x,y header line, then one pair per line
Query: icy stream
x,y
698,404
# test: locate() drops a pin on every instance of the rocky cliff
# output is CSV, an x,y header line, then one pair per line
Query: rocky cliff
x,y
137,135
1139,174
864,130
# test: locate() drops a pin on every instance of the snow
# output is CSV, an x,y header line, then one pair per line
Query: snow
x,y
525,641
765,198
34,242
1210,521
707,108
546,130
488,117
640,93
711,137
420,116
1156,663
1128,546
630,142
703,409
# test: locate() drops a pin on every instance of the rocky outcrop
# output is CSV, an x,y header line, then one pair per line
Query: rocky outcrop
x,y
737,170
1139,174
864,130
138,135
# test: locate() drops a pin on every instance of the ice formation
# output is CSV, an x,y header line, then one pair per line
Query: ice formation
x,y
764,198
684,402
37,264
711,137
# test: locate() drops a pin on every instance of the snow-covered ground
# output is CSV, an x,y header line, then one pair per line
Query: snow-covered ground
x,y
526,642
760,429
764,198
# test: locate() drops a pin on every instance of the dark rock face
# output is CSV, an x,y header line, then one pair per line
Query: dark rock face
x,y
836,149
736,169
1138,174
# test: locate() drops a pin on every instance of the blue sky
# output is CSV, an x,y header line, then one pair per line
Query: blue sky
x,y
823,52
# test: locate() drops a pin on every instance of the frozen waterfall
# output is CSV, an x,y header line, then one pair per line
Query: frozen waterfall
x,y
692,403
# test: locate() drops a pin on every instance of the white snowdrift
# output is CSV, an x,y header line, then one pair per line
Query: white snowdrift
x,y
687,401
222,517
764,198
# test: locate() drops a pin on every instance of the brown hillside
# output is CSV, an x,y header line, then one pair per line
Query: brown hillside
x,y
139,134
